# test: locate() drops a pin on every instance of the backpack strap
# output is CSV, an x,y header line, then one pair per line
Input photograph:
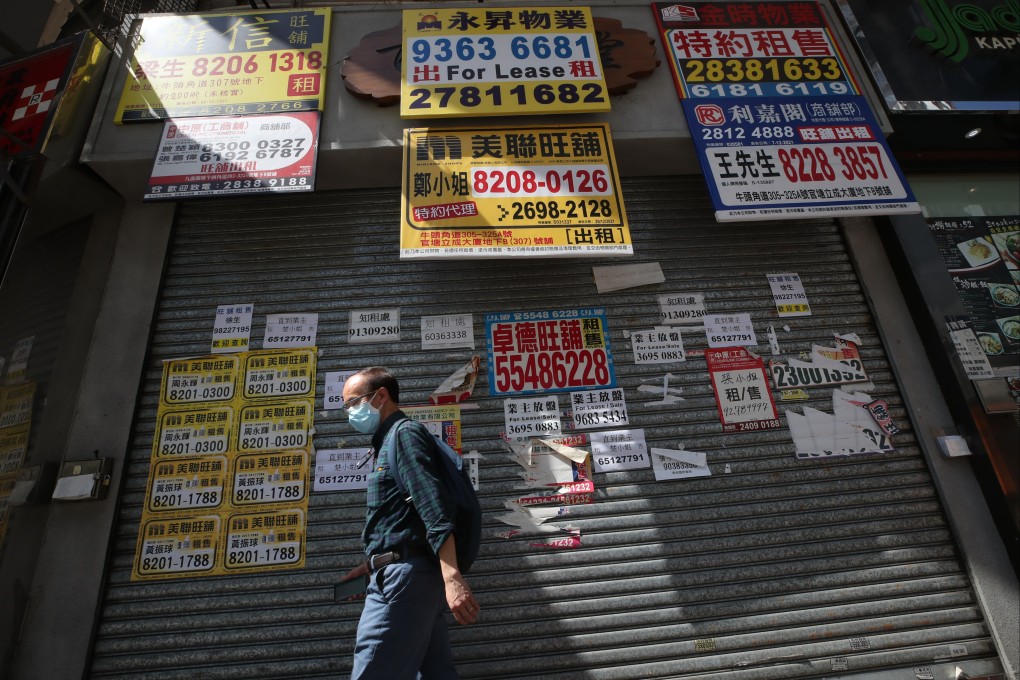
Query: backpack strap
x,y
390,447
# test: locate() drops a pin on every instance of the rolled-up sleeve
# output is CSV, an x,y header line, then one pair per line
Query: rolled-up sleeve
x,y
414,453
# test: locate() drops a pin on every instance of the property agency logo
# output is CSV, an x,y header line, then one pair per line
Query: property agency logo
x,y
949,29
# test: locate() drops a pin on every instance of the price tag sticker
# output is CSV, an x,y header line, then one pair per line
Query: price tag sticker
x,y
616,450
341,470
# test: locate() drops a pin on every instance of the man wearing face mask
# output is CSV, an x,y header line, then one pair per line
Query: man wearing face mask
x,y
411,546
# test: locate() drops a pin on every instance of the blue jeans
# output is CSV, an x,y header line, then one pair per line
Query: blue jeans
x,y
402,633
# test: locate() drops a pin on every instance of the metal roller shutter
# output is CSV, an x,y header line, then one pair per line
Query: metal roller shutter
x,y
780,569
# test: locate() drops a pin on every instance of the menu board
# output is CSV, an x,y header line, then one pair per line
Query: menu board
x,y
982,255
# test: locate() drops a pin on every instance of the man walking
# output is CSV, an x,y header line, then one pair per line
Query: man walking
x,y
412,553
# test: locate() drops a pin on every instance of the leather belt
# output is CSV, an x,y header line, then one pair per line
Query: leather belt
x,y
380,560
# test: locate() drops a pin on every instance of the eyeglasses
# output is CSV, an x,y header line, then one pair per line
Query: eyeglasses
x,y
354,401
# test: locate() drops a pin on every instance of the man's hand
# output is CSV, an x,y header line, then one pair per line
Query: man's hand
x,y
460,599
458,593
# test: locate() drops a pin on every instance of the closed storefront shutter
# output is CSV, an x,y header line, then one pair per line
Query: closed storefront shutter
x,y
770,568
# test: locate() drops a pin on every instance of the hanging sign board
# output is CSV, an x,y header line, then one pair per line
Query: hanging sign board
x,y
233,63
741,390
510,192
29,89
227,155
780,127
559,350
498,62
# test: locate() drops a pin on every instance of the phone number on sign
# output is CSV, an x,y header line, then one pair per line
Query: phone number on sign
x,y
541,181
584,368
470,96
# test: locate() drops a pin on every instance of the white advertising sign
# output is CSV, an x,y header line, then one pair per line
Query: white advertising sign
x,y
290,330
447,332
532,417
730,330
682,308
224,155
659,345
599,408
232,328
973,358
616,450
374,325
341,470
788,294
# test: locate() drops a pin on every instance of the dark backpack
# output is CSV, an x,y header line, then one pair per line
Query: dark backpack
x,y
453,475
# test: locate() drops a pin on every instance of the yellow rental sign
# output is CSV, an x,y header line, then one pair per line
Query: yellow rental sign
x,y
541,191
226,64
500,61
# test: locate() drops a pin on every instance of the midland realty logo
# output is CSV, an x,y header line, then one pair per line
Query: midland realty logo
x,y
950,28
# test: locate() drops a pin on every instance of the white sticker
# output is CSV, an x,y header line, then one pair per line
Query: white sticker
x,y
615,450
788,294
232,328
682,309
18,368
924,673
608,279
599,408
532,417
957,650
333,389
973,358
374,325
660,345
341,469
730,330
447,332
840,663
670,464
290,330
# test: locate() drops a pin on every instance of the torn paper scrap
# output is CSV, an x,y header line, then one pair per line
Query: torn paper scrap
x,y
670,464
459,386
618,277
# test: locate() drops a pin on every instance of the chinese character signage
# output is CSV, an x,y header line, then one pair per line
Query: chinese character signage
x,y
549,351
505,61
777,118
741,390
227,64
229,479
502,192
235,155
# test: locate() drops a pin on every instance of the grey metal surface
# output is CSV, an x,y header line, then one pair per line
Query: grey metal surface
x,y
777,569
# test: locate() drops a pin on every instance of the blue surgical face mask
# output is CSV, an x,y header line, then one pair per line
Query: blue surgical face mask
x,y
364,417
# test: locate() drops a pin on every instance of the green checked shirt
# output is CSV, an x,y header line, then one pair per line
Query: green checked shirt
x,y
391,522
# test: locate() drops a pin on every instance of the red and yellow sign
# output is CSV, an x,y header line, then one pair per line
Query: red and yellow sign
x,y
227,64
541,191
